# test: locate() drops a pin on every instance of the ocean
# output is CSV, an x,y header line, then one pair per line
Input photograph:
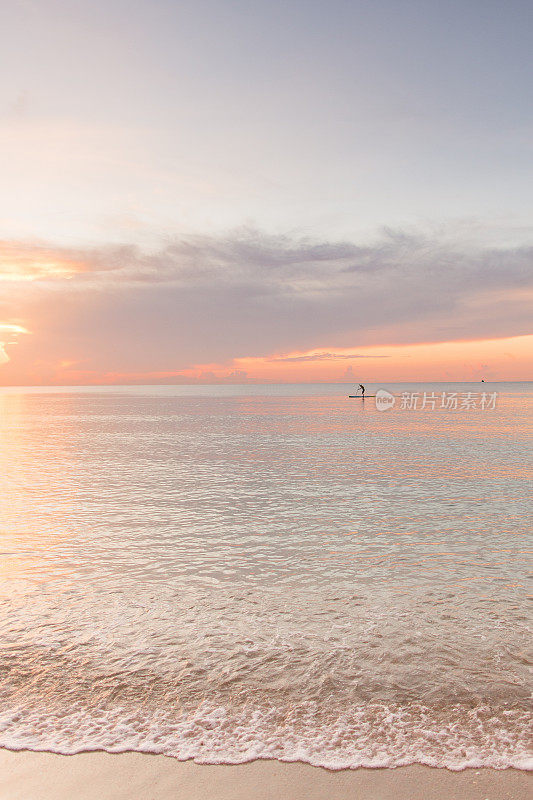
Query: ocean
x,y
226,573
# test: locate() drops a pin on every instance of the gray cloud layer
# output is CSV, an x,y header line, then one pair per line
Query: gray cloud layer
x,y
209,299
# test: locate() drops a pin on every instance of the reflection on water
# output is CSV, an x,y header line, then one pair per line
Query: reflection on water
x,y
227,574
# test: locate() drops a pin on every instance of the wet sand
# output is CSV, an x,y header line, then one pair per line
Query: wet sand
x,y
100,776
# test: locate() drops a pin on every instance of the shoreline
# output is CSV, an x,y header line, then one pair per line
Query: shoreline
x,y
121,776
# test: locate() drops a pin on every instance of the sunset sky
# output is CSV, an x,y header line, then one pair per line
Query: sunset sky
x,y
257,190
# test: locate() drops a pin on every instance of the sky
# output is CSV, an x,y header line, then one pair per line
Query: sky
x,y
240,191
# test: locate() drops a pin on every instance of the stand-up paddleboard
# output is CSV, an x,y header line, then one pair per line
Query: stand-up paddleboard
x,y
360,396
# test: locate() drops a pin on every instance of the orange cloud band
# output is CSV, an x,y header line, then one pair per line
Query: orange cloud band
x,y
18,263
492,359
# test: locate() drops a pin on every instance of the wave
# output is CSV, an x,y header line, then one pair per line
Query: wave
x,y
374,735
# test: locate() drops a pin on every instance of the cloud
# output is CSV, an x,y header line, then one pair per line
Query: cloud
x,y
236,375
348,374
208,300
320,357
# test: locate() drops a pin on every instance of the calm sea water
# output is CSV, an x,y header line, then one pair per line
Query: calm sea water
x,y
226,573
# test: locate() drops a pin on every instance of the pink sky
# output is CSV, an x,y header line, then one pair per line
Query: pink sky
x,y
258,191
248,307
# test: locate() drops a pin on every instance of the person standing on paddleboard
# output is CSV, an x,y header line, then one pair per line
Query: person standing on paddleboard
x,y
362,389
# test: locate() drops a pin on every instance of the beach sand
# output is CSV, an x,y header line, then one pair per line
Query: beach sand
x,y
135,776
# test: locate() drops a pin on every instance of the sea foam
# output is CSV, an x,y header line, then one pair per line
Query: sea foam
x,y
372,736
